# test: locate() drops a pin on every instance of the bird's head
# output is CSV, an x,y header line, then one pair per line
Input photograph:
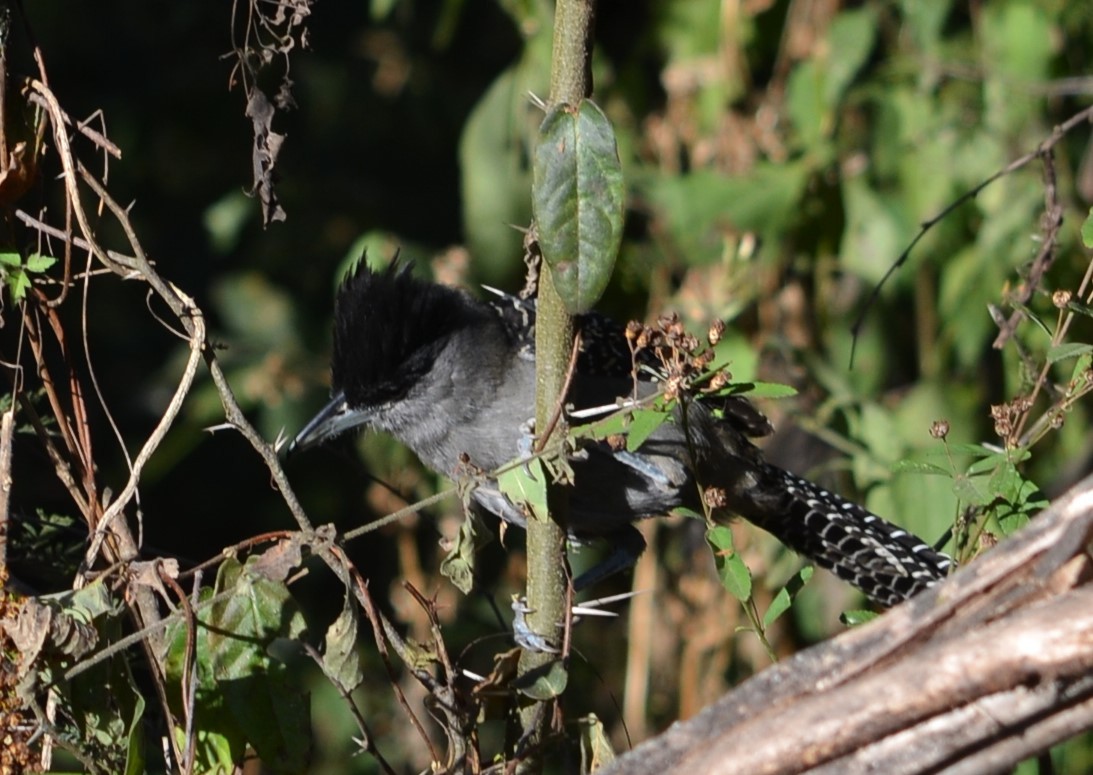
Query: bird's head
x,y
389,328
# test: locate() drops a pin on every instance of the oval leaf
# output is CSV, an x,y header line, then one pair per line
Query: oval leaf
x,y
544,682
786,595
732,571
341,660
526,485
1068,350
578,200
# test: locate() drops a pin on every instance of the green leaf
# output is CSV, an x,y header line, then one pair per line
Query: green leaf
x,y
971,491
987,464
1017,43
102,706
786,595
614,424
16,274
596,749
644,423
1080,308
243,694
18,283
36,262
341,659
857,617
1032,315
637,424
1081,369
578,199
771,390
805,105
943,453
732,571
526,485
1016,498
925,22
1012,521
1004,482
756,390
380,9
497,141
816,85
218,743
87,603
545,682
737,352
1087,229
1068,350
851,37
920,467
134,753
265,698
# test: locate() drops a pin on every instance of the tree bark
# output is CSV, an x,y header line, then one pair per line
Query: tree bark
x,y
989,668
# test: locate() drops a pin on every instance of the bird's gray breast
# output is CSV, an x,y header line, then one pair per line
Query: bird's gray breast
x,y
471,406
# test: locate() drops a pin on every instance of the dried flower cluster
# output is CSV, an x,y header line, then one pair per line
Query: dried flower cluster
x,y
1007,417
678,357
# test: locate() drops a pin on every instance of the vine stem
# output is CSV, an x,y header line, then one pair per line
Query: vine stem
x,y
570,82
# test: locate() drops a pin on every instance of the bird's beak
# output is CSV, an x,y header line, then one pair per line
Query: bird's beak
x,y
334,418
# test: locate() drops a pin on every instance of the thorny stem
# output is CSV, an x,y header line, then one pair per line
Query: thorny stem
x,y
570,82
146,609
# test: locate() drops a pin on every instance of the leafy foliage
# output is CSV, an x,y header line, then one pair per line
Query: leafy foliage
x,y
17,274
243,692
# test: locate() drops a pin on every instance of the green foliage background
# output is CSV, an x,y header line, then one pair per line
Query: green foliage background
x,y
780,156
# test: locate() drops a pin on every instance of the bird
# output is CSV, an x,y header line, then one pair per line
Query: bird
x,y
452,377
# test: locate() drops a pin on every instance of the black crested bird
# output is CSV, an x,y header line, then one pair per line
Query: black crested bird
x,y
453,378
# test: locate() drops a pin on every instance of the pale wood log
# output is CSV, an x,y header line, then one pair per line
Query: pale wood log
x,y
973,676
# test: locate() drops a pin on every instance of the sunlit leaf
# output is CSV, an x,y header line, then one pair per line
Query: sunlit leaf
x,y
526,484
732,571
36,262
644,423
856,618
786,595
578,200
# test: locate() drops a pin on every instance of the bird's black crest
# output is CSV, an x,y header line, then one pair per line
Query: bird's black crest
x,y
389,327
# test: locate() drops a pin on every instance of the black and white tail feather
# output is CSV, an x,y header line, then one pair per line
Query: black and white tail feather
x,y
884,561
453,378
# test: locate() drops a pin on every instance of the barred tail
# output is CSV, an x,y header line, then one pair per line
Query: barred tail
x,y
884,561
